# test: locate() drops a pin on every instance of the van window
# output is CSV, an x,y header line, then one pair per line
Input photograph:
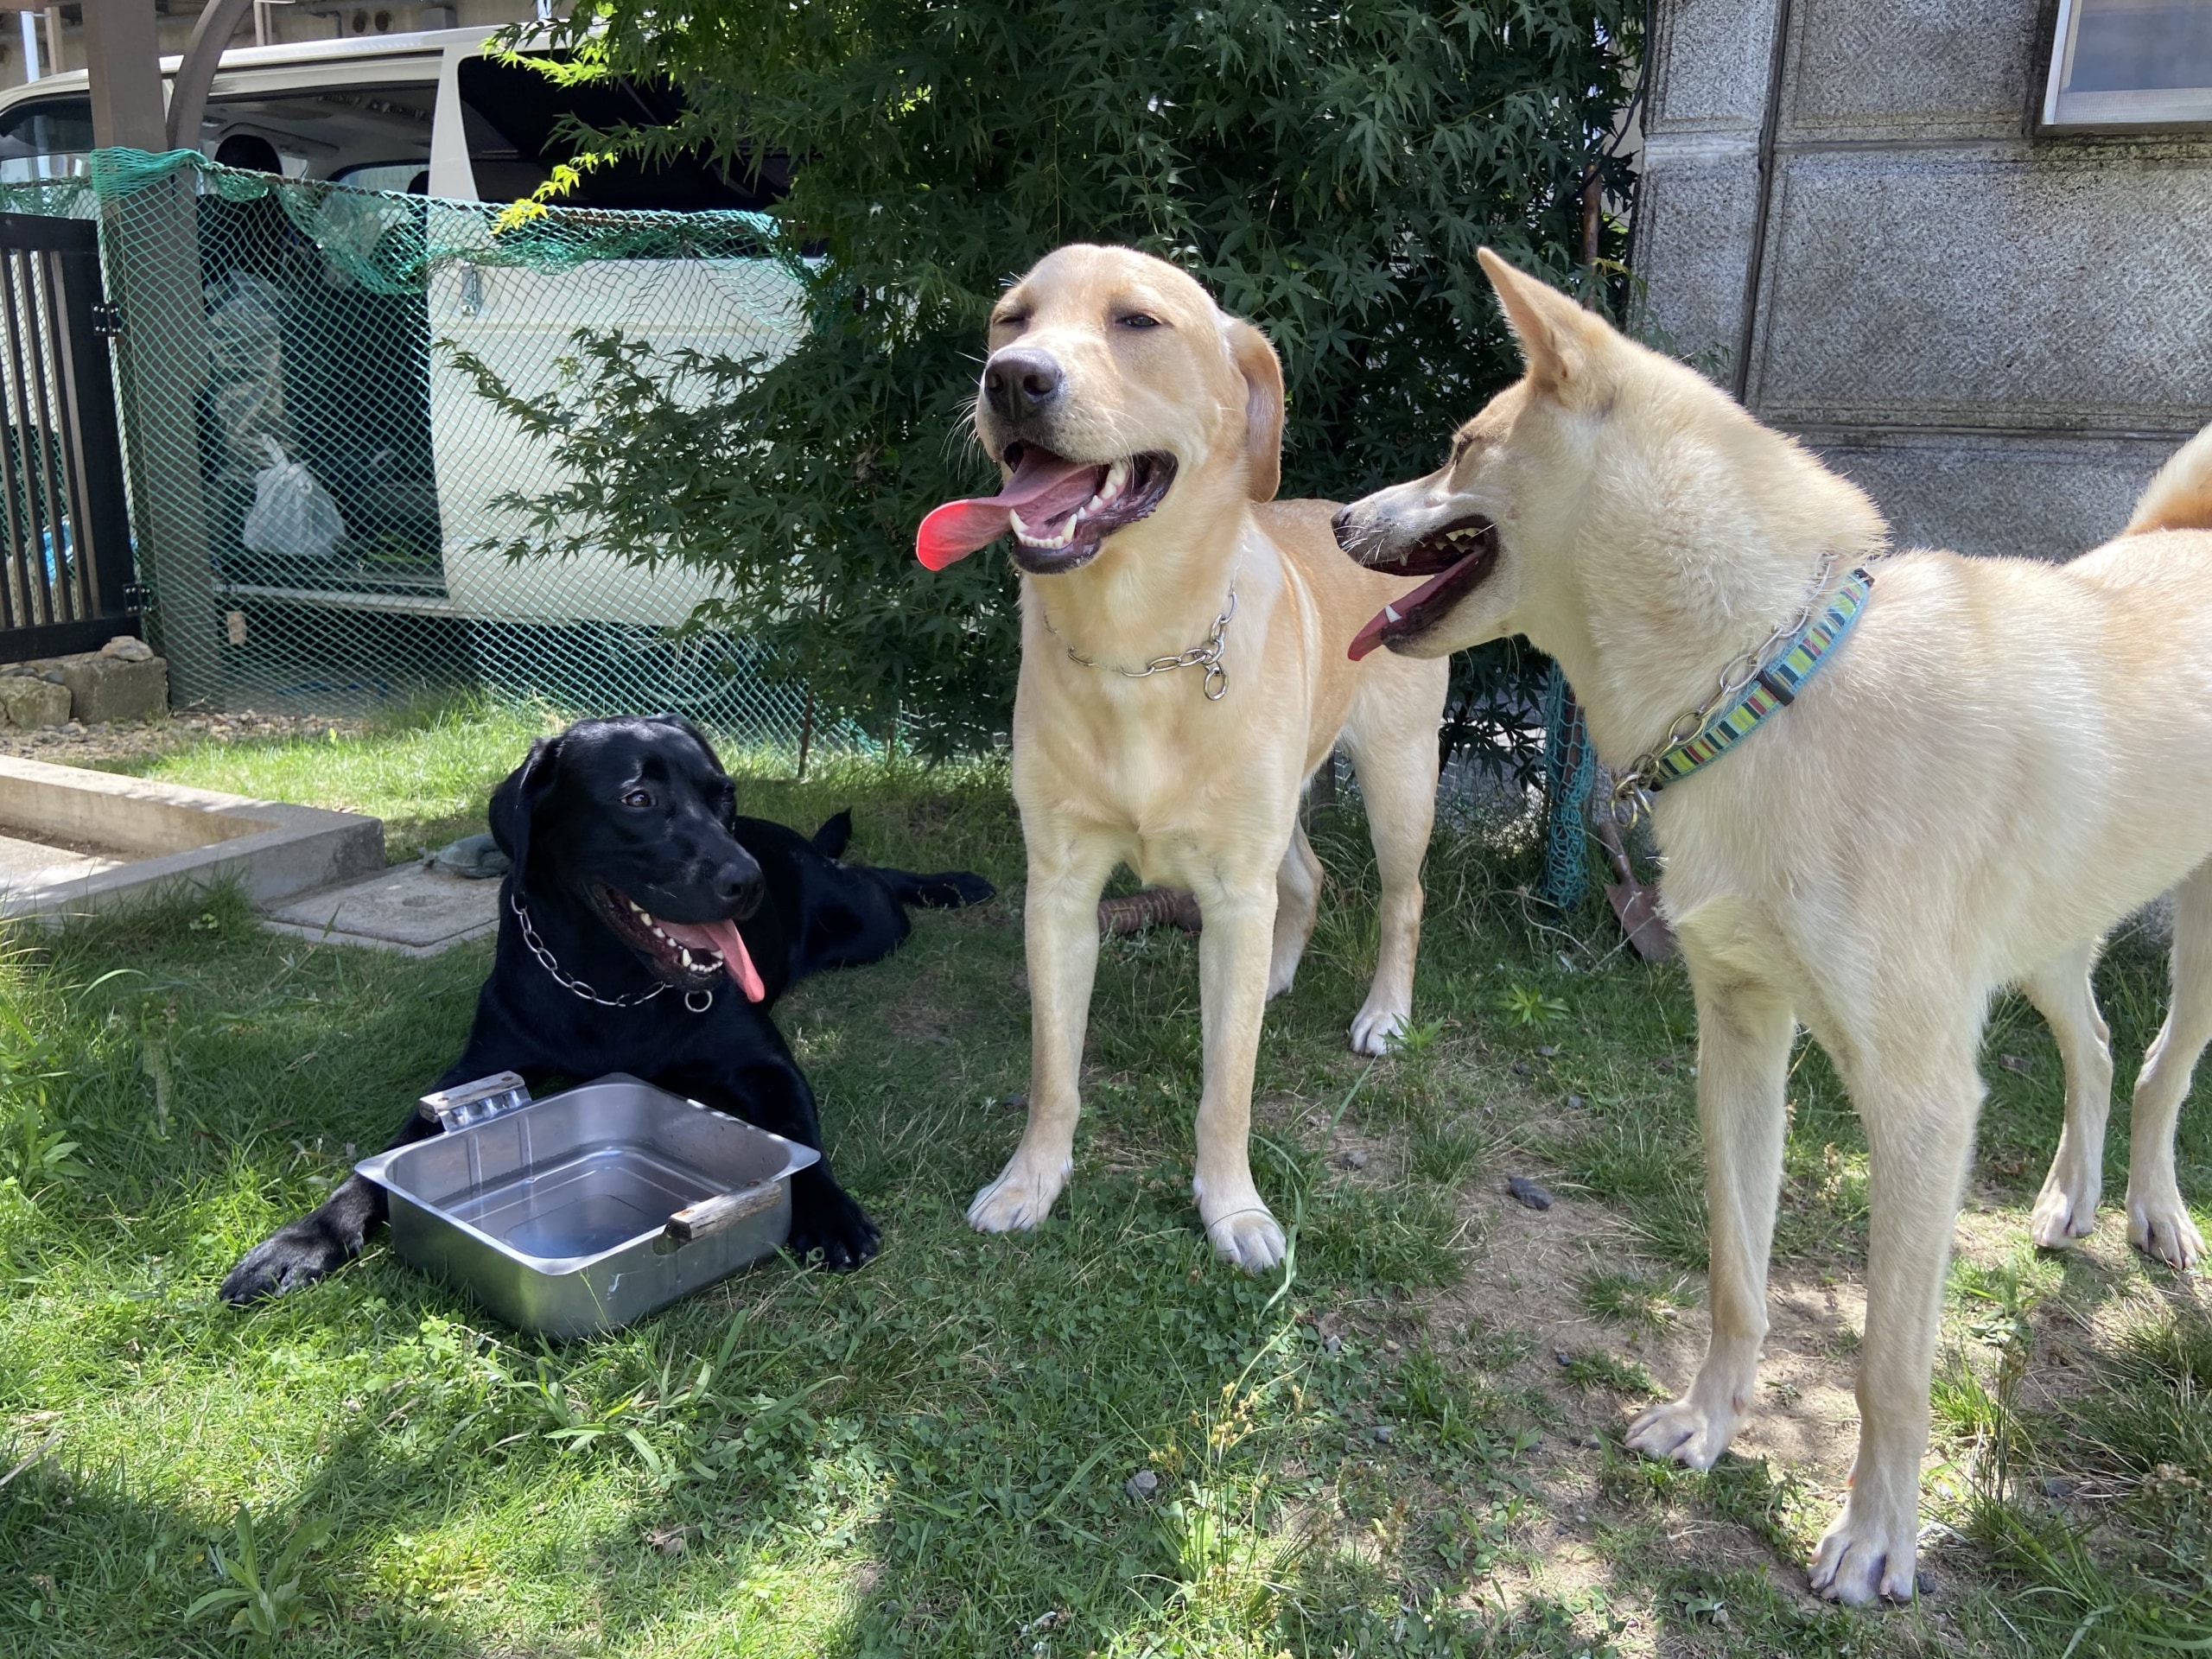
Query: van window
x,y
513,115
46,138
370,135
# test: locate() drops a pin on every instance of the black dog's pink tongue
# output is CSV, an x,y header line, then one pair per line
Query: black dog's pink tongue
x,y
723,938
1042,488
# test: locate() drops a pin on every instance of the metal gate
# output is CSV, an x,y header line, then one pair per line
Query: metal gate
x,y
65,533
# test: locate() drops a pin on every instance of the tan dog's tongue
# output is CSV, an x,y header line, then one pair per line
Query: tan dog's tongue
x,y
723,938
1043,487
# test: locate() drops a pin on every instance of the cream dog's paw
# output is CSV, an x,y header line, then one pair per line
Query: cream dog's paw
x,y
1684,1431
1242,1231
1860,1561
2159,1225
1020,1199
1252,1243
1377,1028
2065,1210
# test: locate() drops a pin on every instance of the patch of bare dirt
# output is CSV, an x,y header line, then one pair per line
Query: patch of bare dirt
x,y
79,744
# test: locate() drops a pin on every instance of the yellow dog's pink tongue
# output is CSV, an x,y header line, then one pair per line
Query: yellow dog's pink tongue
x,y
723,938
1042,488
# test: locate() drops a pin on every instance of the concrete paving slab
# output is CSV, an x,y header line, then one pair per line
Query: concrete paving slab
x,y
410,908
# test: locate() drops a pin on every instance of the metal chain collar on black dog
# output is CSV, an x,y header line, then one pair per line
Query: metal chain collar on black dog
x,y
576,987
1207,656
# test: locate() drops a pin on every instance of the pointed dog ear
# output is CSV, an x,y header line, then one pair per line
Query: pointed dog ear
x,y
1262,371
1556,335
667,717
516,801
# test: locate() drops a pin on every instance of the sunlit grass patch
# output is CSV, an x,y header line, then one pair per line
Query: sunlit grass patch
x,y
935,1456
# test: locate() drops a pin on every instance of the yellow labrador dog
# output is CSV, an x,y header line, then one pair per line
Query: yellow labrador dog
x,y
1183,672
1995,760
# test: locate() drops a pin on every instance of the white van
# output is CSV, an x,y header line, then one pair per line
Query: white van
x,y
430,114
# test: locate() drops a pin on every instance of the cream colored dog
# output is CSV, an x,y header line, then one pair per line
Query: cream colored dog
x,y
2003,760
1183,672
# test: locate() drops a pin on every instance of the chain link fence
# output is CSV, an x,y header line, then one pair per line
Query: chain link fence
x,y
320,492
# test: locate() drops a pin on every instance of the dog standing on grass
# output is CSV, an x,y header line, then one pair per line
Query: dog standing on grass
x,y
1990,763
1183,673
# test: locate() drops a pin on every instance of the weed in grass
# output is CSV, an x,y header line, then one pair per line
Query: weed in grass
x,y
1416,1087
1446,1154
1527,1004
266,1603
1998,1300
1605,1370
1637,1300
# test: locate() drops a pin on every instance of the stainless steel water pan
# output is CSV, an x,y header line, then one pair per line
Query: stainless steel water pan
x,y
589,1209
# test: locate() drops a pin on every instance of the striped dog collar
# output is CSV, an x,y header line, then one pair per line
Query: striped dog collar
x,y
1774,685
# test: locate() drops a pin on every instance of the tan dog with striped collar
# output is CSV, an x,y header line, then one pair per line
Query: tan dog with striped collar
x,y
2002,760
1183,673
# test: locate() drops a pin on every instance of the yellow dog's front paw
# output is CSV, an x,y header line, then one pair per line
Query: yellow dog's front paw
x,y
1020,1199
1681,1430
1238,1224
1860,1561
1377,1028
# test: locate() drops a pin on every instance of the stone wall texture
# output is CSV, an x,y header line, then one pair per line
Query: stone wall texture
x,y
1999,332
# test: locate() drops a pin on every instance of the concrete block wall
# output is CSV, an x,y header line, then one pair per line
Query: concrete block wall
x,y
1999,333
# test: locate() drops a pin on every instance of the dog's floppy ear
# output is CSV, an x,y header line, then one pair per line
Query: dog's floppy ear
x,y
1262,371
1556,335
516,801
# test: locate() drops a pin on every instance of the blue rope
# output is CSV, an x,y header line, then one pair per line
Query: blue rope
x,y
1570,768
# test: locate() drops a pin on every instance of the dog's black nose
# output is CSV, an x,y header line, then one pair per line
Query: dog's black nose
x,y
1018,383
737,886
1341,524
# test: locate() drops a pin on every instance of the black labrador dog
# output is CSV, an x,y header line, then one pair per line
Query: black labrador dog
x,y
645,927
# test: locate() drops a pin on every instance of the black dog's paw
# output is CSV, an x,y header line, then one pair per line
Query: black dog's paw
x,y
832,1223
294,1255
952,890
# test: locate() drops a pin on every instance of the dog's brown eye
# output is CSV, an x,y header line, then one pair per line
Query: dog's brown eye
x,y
637,798
1138,320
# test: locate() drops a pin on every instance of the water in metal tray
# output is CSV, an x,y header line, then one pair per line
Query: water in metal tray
x,y
584,1205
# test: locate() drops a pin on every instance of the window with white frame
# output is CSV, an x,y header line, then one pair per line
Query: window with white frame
x,y
2131,63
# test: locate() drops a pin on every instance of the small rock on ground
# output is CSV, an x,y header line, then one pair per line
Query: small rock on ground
x,y
1142,1484
1529,1193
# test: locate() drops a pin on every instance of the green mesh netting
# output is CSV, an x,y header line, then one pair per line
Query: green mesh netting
x,y
1570,768
315,485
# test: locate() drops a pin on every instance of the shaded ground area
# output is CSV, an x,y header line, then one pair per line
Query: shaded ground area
x,y
1410,1444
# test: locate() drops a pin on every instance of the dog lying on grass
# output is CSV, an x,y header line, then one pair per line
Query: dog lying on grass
x,y
645,927
1141,430
1994,762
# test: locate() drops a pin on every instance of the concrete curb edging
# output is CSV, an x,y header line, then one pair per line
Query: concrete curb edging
x,y
178,837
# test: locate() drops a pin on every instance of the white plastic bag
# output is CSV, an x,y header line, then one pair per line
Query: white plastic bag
x,y
291,513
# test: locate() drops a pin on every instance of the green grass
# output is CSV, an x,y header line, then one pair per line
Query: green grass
x,y
932,1456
